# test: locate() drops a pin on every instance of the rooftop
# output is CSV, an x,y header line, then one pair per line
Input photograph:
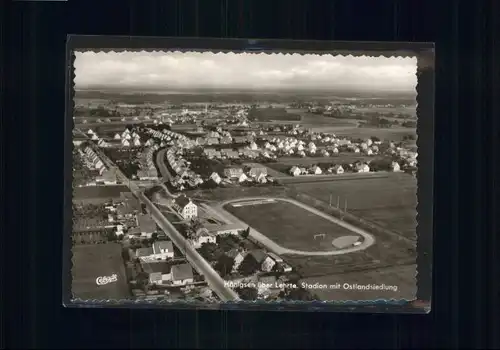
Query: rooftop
x,y
182,271
155,267
146,223
165,245
182,201
215,227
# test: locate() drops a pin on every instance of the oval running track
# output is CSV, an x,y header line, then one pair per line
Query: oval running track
x,y
369,240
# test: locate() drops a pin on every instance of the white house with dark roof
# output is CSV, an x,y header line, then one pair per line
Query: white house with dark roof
x,y
395,167
160,250
215,178
295,171
316,170
185,207
255,170
238,256
337,169
362,168
182,274
263,259
233,172
159,273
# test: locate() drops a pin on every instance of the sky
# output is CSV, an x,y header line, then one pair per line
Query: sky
x,y
184,70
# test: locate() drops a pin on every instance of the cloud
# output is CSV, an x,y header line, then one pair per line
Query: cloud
x,y
157,70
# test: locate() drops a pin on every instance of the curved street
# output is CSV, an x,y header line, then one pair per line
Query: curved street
x,y
368,241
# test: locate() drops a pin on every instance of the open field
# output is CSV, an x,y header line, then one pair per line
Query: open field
x,y
289,225
388,201
104,192
411,110
92,261
386,134
402,277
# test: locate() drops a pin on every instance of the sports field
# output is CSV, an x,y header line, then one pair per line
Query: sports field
x,y
388,201
96,260
290,225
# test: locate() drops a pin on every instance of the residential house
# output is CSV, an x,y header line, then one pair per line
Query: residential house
x,y
212,141
201,237
146,224
159,273
254,171
117,137
232,154
261,178
283,267
253,146
209,152
325,153
240,139
369,152
265,261
182,274
316,170
144,254
362,168
233,172
295,171
337,169
275,257
220,230
215,178
301,154
226,140
243,178
185,207
395,167
238,256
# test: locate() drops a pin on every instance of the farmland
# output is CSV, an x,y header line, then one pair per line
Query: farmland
x,y
92,261
290,225
390,201
387,134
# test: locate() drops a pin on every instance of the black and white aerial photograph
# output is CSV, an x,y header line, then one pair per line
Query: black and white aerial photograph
x,y
220,177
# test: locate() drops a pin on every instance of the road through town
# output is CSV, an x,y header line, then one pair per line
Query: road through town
x,y
201,265
213,279
368,241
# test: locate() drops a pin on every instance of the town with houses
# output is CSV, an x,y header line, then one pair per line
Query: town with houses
x,y
256,189
171,154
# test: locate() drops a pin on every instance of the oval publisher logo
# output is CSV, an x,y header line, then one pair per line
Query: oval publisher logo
x,y
103,280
